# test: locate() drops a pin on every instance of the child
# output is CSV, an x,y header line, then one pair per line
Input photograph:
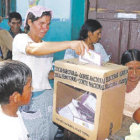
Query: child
x,y
15,91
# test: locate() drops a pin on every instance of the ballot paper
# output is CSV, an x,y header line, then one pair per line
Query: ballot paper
x,y
89,101
81,110
66,112
91,57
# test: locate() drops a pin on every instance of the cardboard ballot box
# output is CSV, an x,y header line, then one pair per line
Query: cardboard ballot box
x,y
89,99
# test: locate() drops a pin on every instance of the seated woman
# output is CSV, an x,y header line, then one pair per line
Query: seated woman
x,y
91,34
130,58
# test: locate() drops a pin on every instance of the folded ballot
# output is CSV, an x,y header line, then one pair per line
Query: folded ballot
x,y
81,111
91,57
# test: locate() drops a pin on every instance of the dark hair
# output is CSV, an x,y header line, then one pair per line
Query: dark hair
x,y
15,15
33,18
130,55
13,77
89,25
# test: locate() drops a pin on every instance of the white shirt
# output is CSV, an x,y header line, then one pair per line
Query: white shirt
x,y
12,128
132,101
40,65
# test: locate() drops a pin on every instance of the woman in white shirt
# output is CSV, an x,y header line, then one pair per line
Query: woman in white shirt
x,y
30,49
130,58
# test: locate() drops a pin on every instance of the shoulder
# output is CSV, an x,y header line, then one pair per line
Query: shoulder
x,y
138,86
20,40
99,48
21,37
98,45
4,33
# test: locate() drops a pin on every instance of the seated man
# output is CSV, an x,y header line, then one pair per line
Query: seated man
x,y
15,22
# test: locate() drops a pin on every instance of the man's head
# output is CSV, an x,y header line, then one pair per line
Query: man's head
x,y
15,82
15,22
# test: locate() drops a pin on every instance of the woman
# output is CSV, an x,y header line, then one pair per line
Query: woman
x,y
90,33
130,58
37,54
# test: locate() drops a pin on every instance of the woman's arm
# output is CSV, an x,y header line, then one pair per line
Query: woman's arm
x,y
45,48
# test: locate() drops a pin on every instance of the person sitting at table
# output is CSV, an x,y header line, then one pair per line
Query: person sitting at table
x,y
90,33
131,59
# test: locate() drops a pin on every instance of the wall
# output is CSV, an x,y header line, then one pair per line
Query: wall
x,y
4,24
12,4
66,23
77,17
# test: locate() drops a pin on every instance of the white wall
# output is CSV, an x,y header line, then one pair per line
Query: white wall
x,y
60,8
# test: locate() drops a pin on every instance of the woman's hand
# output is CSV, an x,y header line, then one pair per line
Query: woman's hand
x,y
79,47
136,115
51,75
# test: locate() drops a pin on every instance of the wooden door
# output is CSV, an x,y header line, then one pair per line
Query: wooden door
x,y
121,25
134,35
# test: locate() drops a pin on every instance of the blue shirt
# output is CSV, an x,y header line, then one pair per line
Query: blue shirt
x,y
98,48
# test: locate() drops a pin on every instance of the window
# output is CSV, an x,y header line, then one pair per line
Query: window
x,y
7,6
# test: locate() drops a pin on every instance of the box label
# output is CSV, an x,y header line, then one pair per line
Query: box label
x,y
90,80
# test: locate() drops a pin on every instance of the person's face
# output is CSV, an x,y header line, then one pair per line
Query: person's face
x,y
95,36
15,25
27,93
133,71
40,27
